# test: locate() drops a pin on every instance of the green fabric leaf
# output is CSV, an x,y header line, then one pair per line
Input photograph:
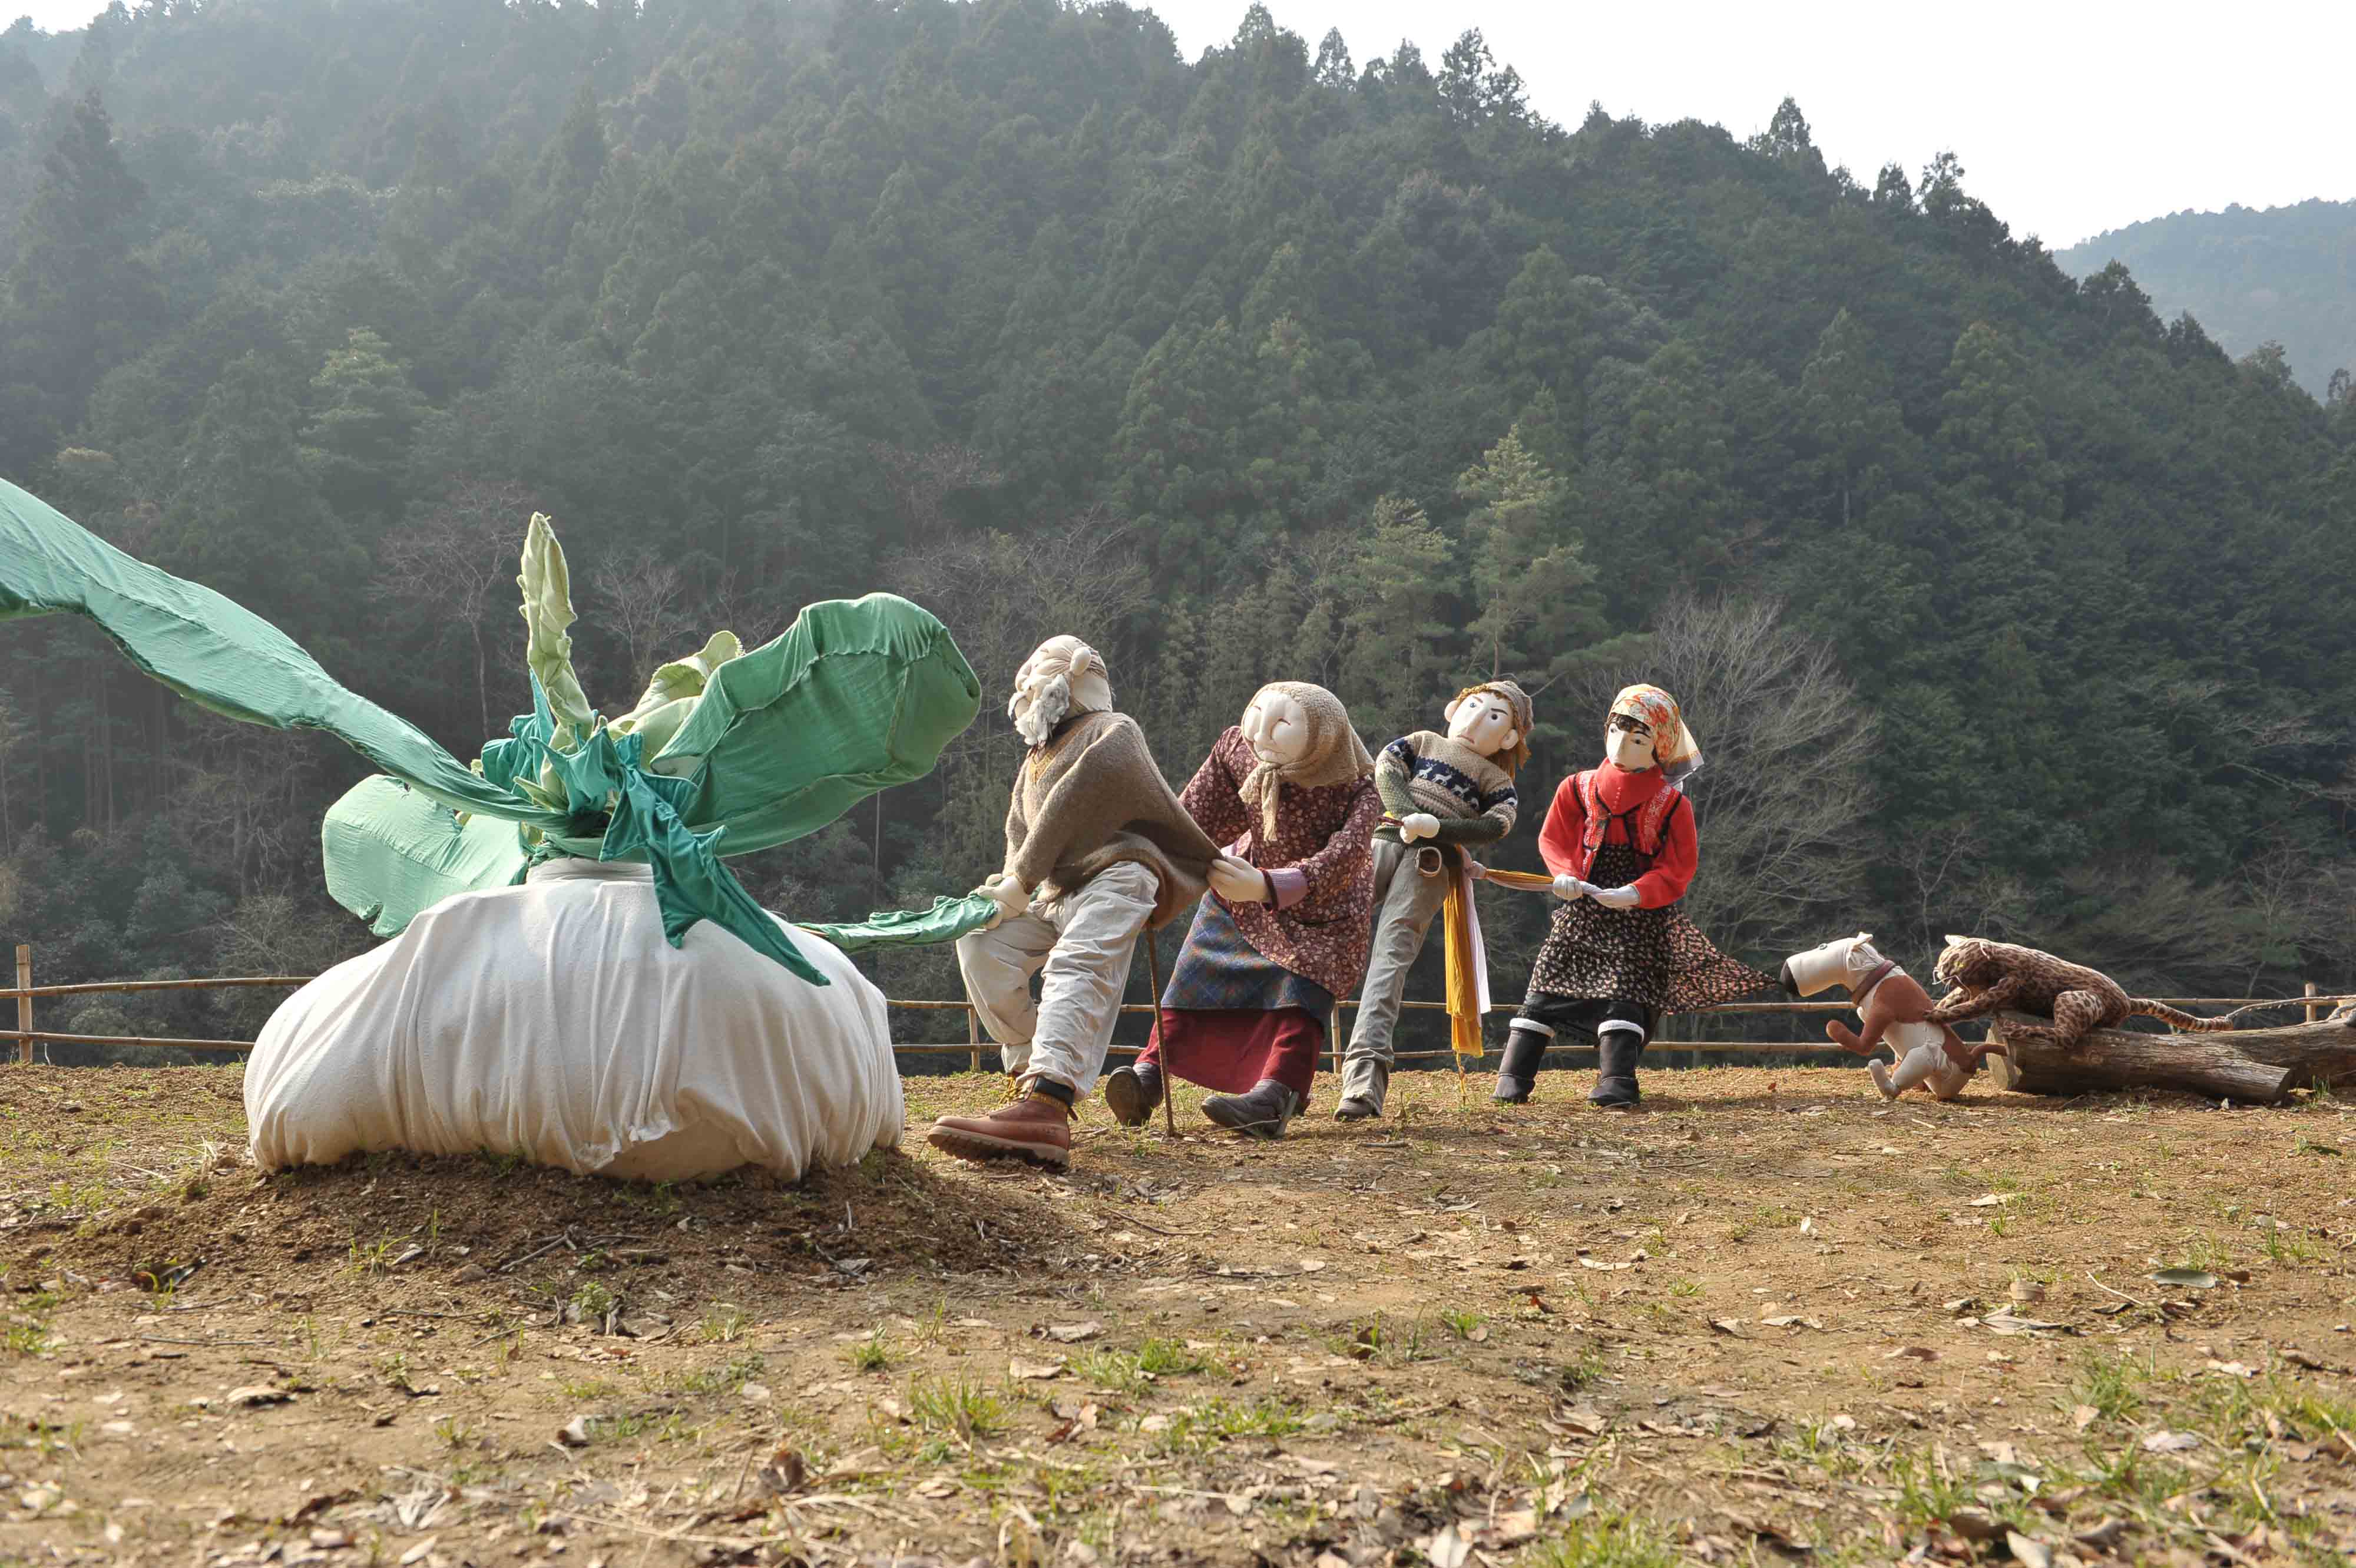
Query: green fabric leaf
x,y
946,921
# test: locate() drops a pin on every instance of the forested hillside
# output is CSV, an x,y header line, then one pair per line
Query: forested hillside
x,y
2285,275
2000,603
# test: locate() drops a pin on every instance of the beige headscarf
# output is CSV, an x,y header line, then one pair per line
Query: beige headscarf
x,y
1066,662
1335,754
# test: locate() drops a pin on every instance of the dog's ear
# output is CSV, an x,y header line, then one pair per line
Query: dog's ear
x,y
1956,942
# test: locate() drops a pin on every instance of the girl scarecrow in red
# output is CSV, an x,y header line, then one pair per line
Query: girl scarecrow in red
x,y
1619,841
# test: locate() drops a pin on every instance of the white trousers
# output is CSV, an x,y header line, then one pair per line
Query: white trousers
x,y
1081,946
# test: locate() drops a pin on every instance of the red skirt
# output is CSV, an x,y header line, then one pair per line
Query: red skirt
x,y
1232,1049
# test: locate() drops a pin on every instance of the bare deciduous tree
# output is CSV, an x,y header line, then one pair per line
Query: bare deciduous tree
x,y
1782,799
247,800
13,731
452,558
1005,594
641,603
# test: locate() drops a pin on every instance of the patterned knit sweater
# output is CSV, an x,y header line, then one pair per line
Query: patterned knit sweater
x,y
1472,796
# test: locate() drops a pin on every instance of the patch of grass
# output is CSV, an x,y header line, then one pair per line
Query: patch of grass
x,y
726,1377
2286,1246
2113,1385
2208,1253
1127,1372
394,1371
593,1389
591,1302
1925,1497
724,1323
67,1197
1459,1321
504,1165
1221,1420
1583,1372
24,1336
870,1355
1605,1540
1114,1369
1822,1444
455,1434
373,1258
1168,1358
1685,1289
957,1407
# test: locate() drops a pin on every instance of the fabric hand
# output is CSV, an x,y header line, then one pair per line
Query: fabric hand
x,y
1419,825
1570,889
1239,881
1613,897
1007,891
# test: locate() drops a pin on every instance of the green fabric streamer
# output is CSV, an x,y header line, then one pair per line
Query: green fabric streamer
x,y
946,921
856,696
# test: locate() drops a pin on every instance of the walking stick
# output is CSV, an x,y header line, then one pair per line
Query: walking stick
x,y
1169,1079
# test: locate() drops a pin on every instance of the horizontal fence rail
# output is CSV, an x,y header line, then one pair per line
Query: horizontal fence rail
x,y
974,1047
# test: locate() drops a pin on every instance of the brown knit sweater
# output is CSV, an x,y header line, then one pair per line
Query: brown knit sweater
x,y
1091,798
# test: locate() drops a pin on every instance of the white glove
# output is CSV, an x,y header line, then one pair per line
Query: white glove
x,y
1008,892
1570,889
1420,825
1614,898
1239,882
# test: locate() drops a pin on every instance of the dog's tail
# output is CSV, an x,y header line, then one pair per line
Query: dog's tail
x,y
2184,1022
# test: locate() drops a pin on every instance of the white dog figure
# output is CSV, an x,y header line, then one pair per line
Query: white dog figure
x,y
1891,1005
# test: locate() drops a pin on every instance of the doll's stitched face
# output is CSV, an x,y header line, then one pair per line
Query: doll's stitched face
x,y
1277,729
1482,721
1628,742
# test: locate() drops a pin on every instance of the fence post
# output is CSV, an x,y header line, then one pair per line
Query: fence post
x,y
2314,1011
24,1003
974,1035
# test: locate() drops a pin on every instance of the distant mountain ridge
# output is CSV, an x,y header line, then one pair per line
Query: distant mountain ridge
x,y
2287,275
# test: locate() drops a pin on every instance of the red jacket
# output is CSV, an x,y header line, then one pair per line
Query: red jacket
x,y
1561,842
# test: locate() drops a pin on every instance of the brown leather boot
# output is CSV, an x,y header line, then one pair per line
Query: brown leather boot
x,y
1036,1128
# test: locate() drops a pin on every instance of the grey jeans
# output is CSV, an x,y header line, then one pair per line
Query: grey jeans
x,y
1405,903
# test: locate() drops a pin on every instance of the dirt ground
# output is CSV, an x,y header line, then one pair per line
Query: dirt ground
x,y
1767,1320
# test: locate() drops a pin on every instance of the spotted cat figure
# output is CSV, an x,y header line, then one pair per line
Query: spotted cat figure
x,y
1985,977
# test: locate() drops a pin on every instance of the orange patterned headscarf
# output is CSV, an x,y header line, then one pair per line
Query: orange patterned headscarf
x,y
1673,746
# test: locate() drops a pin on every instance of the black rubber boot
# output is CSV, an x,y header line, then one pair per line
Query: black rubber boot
x,y
1265,1112
1133,1094
1616,1051
1518,1073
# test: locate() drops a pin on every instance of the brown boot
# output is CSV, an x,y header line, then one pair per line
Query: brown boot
x,y
1036,1128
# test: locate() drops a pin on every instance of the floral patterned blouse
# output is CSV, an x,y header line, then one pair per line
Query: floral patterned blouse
x,y
1319,863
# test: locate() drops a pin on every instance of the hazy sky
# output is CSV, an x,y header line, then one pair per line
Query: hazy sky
x,y
2071,116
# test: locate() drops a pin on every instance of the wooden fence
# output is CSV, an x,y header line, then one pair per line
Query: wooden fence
x,y
974,1047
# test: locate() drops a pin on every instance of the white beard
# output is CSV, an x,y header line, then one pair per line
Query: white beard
x,y
1036,720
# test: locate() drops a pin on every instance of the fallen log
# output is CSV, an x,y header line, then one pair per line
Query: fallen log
x,y
2254,1066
